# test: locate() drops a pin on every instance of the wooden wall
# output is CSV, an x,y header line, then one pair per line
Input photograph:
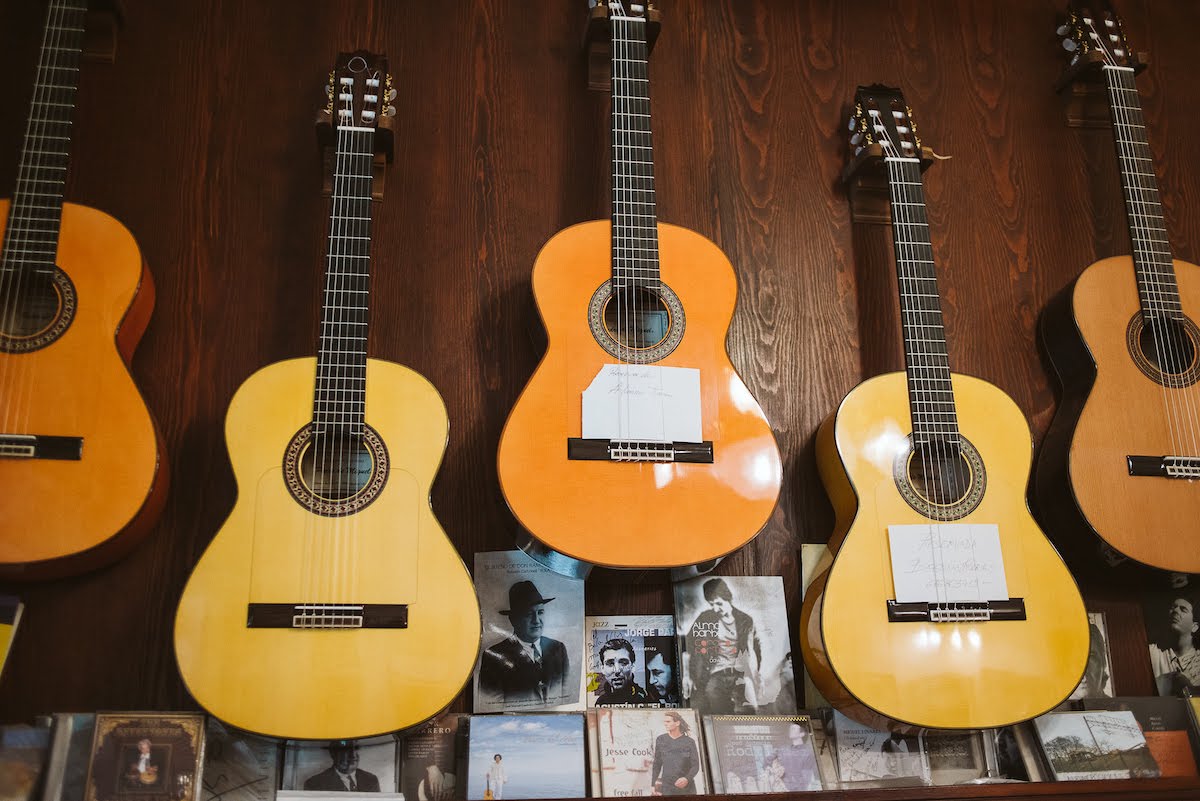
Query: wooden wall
x,y
200,139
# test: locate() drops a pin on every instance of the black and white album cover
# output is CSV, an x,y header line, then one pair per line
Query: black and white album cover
x,y
1172,628
341,766
1097,681
644,752
868,757
532,636
735,645
631,661
429,760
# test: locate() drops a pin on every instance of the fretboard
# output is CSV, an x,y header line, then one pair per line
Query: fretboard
x,y
1155,271
31,238
926,359
339,401
635,226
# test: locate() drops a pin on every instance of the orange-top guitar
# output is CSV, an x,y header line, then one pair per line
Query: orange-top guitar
x,y
944,605
81,462
635,444
331,605
1121,459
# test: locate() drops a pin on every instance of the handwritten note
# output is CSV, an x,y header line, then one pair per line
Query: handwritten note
x,y
946,562
643,402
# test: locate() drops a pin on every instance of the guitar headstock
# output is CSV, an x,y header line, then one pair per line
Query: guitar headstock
x,y
1093,33
359,93
629,9
882,117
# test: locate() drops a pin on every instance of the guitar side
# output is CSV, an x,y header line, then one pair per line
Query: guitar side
x,y
1112,410
63,517
641,514
946,675
329,683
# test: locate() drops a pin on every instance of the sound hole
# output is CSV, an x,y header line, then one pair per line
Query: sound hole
x,y
336,467
939,474
1168,346
29,305
637,318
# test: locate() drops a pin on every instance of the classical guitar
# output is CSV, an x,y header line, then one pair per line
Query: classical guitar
x,y
331,605
81,461
1122,457
635,444
943,604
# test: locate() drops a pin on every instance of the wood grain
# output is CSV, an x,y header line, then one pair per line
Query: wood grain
x,y
199,138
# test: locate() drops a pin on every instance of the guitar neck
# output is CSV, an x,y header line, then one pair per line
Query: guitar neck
x,y
634,219
926,358
1157,288
31,238
339,401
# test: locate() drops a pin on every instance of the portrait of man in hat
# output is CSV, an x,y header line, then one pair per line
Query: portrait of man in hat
x,y
526,668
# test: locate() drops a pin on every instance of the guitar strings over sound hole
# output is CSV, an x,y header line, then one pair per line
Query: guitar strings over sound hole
x,y
940,480
637,318
35,309
335,474
636,324
1165,350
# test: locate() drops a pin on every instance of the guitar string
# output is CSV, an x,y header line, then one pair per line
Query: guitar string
x,y
17,372
628,309
359,393
65,42
1184,395
1141,239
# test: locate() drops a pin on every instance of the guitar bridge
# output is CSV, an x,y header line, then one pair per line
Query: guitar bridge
x,y
956,611
1164,466
616,450
40,446
327,616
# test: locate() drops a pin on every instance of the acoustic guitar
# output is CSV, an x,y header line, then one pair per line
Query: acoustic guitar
x,y
1121,458
942,605
331,605
635,443
81,461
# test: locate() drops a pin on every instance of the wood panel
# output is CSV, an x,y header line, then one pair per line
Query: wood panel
x,y
199,138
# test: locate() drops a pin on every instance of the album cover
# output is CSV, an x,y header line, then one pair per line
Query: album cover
x,y
1165,724
341,766
1007,752
750,754
147,756
868,757
67,764
23,751
238,766
526,756
956,758
1097,681
647,752
631,661
735,645
429,760
532,636
1171,631
1095,745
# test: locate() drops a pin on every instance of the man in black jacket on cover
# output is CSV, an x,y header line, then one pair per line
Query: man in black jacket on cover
x,y
526,668
343,775
724,655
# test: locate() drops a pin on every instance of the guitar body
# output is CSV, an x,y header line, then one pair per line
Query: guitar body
x,y
636,514
332,683
66,516
1111,409
962,675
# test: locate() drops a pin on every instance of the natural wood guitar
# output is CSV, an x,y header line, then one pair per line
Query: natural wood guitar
x,y
331,605
81,461
1121,460
635,299
934,456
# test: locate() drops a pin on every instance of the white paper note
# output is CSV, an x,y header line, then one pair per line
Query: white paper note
x,y
947,562
643,402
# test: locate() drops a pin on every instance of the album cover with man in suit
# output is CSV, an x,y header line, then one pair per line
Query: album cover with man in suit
x,y
532,636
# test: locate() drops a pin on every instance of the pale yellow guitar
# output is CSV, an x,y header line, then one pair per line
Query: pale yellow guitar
x,y
331,605
943,604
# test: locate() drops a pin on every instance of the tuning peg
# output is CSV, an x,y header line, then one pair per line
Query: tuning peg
x,y
1063,30
858,150
1069,45
390,111
391,95
1118,52
856,138
852,124
1108,23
